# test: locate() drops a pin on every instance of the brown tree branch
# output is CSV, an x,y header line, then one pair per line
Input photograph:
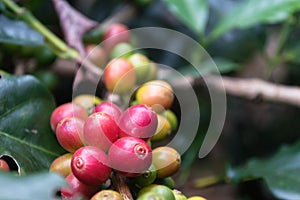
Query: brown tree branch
x,y
255,88
74,24
119,182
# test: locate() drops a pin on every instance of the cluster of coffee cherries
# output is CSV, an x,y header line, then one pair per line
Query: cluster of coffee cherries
x,y
108,142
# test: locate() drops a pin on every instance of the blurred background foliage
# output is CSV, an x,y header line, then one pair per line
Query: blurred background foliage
x,y
247,39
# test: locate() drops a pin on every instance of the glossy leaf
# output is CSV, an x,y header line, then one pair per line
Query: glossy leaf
x,y
18,32
252,12
223,66
35,187
194,13
25,133
281,172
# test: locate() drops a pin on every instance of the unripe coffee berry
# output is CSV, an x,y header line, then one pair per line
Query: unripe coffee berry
x,y
107,195
138,121
62,165
96,54
131,156
69,133
87,101
121,50
158,189
90,166
163,129
156,94
109,108
141,66
166,161
76,189
67,110
119,76
100,130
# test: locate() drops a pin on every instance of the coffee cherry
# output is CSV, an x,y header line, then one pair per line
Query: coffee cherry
x,y
158,189
141,66
69,133
67,110
151,196
119,76
44,56
178,195
146,178
138,121
109,108
87,101
90,166
166,161
115,34
62,165
163,129
107,195
4,166
153,70
100,130
121,50
168,181
134,154
171,117
196,198
96,54
76,189
156,94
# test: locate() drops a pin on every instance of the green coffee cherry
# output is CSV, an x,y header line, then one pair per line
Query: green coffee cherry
x,y
141,65
172,118
123,50
163,129
151,196
159,189
178,195
168,181
146,178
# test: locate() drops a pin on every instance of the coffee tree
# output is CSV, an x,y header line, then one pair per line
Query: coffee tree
x,y
149,99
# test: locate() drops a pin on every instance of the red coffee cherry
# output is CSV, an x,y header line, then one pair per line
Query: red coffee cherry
x,y
100,130
67,110
115,34
131,156
119,76
109,108
4,166
138,121
69,133
90,166
76,189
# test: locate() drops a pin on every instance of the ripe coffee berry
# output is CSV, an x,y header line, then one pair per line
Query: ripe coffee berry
x,y
90,166
138,121
100,130
4,166
67,110
119,76
69,133
115,34
109,108
131,156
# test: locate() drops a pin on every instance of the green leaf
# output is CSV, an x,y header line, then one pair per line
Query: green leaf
x,y
25,133
206,67
253,12
18,32
34,187
194,13
281,172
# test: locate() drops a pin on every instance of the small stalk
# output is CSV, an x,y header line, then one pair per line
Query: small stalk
x,y
119,182
63,50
